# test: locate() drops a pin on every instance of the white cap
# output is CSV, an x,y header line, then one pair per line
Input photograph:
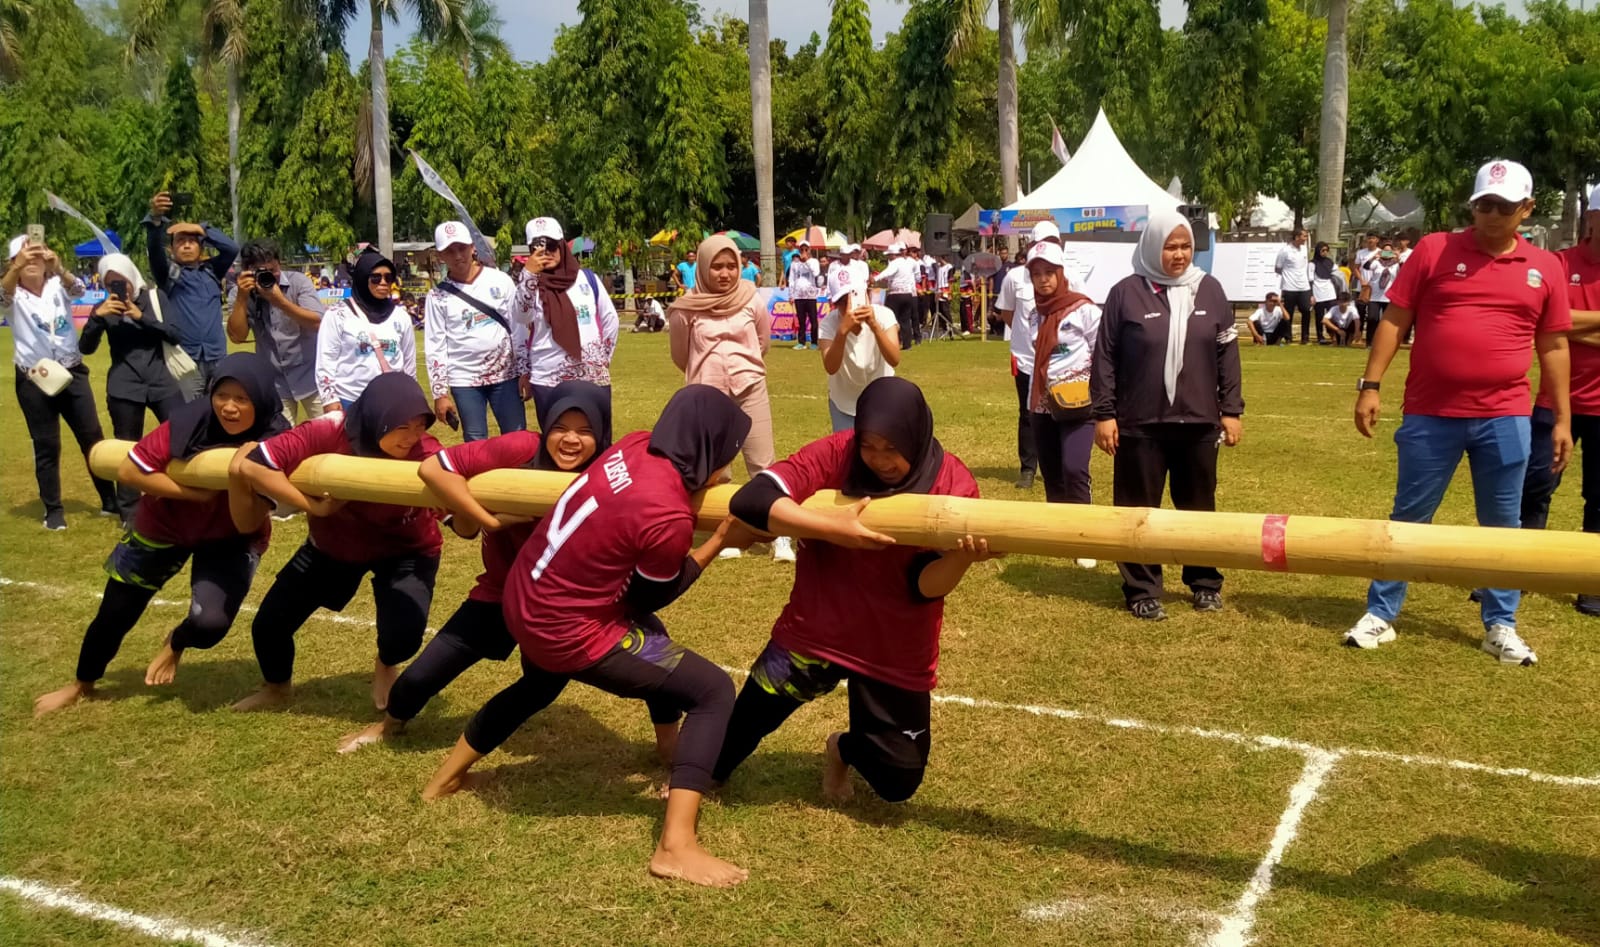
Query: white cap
x,y
1044,230
896,248
804,243
450,233
1048,252
543,227
840,281
17,243
1506,180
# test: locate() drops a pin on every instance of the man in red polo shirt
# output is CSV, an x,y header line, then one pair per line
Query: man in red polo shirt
x,y
1480,301
1583,289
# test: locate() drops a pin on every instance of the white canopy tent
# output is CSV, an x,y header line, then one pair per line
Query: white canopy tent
x,y
1100,174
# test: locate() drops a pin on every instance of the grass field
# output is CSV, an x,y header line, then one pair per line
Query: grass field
x,y
1095,780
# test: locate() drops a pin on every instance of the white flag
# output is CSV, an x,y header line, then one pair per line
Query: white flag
x,y
1057,145
106,246
435,183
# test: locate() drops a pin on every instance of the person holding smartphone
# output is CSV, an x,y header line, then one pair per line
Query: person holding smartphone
x,y
36,295
860,343
192,281
565,324
467,340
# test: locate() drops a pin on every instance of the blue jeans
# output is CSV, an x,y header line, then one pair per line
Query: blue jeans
x,y
841,421
474,404
1430,449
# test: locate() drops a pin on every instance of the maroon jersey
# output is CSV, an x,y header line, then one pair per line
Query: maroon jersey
x,y
180,522
500,548
629,512
359,532
855,607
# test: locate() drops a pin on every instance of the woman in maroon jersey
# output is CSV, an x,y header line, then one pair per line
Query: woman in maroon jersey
x,y
398,545
225,533
618,545
862,607
576,428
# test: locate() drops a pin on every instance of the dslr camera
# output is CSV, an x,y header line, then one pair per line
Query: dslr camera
x,y
265,280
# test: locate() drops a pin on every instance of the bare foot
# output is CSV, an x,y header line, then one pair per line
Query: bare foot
x,y
383,678
65,697
163,668
377,733
269,697
835,773
666,742
697,866
450,785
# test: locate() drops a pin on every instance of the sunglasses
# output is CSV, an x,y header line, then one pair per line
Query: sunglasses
x,y
545,243
386,279
1491,205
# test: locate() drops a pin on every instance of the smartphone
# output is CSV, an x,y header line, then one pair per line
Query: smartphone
x,y
36,235
181,200
452,419
118,289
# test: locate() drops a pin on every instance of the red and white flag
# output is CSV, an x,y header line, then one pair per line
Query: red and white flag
x,y
1057,145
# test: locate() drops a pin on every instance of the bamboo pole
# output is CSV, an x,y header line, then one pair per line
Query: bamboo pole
x,y
1470,556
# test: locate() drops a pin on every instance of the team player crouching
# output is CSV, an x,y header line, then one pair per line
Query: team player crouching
x,y
617,545
398,545
225,532
862,607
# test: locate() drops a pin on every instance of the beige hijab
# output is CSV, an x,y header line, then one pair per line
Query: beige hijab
x,y
698,303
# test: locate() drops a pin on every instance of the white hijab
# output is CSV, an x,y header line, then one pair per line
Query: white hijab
x,y
1180,288
123,266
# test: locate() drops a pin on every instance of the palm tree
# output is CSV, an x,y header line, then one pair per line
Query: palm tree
x,y
1335,114
478,39
14,17
222,38
761,119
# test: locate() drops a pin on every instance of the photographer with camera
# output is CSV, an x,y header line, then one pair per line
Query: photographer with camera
x,y
283,311
130,319
193,283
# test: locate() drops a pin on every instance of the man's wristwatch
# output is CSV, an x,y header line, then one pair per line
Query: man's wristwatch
x,y
1363,385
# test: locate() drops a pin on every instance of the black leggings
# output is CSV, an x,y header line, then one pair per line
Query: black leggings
x,y
904,307
642,666
805,314
218,584
402,591
888,740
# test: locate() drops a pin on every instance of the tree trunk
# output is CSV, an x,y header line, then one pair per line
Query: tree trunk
x,y
1335,108
761,118
1007,85
382,189
233,147
1569,210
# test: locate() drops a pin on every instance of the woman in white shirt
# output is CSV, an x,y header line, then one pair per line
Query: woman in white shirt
x,y
901,279
467,338
564,323
364,336
1326,285
37,296
860,343
1382,271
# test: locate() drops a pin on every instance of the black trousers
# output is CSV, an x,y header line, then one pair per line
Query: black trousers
x,y
1027,450
1374,315
127,423
1539,484
1300,300
43,415
218,583
1146,458
1322,310
402,591
1282,332
904,307
805,315
642,666
1064,449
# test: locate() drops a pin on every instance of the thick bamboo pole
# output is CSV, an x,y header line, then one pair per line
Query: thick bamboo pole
x,y
1554,561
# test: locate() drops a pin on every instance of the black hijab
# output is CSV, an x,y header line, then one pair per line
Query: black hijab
x,y
194,426
1323,262
700,431
390,401
587,397
374,308
895,410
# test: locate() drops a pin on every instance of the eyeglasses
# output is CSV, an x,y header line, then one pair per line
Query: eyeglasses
x,y
386,279
1491,205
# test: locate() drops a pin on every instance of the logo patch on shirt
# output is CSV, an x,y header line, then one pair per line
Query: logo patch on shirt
x,y
1461,269
1576,279
1152,315
1535,278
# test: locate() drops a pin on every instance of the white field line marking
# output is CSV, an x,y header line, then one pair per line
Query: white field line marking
x,y
1068,908
1260,741
161,928
1236,927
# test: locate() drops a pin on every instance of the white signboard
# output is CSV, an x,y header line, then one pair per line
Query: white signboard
x,y
1245,269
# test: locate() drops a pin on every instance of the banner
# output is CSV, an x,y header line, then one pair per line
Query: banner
x,y
436,184
106,246
1071,220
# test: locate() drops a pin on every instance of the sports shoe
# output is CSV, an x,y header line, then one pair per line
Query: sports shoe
x,y
110,508
1475,596
730,553
55,521
1087,563
800,348
1025,482
1369,632
1148,609
1207,600
1588,605
783,549
1503,642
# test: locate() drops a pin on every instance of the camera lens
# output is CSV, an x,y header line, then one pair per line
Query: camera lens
x,y
266,279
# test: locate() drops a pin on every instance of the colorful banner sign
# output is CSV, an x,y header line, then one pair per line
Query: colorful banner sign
x,y
1071,220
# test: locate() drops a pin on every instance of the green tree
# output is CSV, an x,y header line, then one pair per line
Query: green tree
x,y
688,178
1292,89
923,99
312,197
180,164
443,129
14,17
1222,106
850,122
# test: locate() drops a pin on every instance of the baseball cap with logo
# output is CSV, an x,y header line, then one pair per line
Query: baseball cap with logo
x,y
1048,252
450,233
1506,180
1044,230
543,227
840,281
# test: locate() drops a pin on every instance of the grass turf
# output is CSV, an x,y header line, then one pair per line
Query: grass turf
x,y
167,803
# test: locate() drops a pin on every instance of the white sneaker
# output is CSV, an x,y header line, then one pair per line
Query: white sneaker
x,y
1503,642
1087,563
730,553
1369,632
783,549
